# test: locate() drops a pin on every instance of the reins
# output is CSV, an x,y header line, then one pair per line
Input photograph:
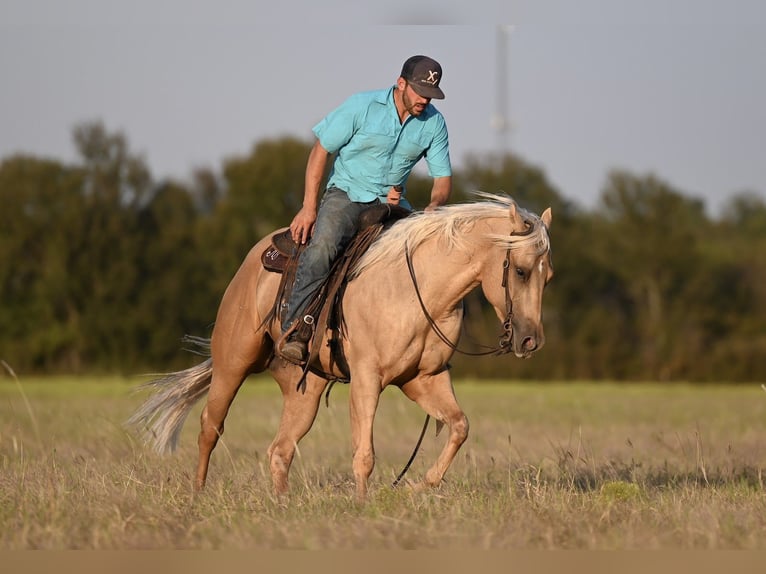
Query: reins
x,y
504,344
414,453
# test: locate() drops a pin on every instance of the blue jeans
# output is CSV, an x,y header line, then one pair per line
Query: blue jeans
x,y
337,222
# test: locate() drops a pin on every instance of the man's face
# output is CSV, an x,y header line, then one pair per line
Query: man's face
x,y
413,103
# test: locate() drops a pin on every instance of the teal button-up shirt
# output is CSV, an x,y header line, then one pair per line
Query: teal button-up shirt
x,y
376,151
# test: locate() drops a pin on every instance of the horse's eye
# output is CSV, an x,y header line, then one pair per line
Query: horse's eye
x,y
520,273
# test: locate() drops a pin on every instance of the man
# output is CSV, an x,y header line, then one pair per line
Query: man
x,y
378,137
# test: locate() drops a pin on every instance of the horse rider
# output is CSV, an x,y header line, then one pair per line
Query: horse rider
x,y
378,138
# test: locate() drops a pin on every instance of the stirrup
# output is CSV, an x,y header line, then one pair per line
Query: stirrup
x,y
294,352
289,339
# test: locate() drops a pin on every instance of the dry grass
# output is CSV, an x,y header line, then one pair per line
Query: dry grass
x,y
566,466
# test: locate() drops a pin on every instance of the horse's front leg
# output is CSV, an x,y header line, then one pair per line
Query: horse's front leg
x,y
363,404
435,395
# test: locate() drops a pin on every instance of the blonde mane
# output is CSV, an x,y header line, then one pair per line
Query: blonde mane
x,y
449,224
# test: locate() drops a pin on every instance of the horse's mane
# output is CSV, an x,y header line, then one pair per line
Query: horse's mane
x,y
449,224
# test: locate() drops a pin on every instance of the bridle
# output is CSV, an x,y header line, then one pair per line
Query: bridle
x,y
506,338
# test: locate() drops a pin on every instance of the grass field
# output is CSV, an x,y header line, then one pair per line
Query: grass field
x,y
564,466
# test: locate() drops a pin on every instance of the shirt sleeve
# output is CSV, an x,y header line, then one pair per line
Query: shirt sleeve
x,y
338,127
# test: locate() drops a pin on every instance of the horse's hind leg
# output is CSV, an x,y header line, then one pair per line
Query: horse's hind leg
x,y
223,389
299,410
231,365
436,396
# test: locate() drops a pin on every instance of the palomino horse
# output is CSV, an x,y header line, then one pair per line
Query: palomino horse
x,y
403,312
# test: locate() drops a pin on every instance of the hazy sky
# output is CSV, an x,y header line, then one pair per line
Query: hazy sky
x,y
673,87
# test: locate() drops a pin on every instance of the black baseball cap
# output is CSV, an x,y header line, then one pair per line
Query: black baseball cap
x,y
424,75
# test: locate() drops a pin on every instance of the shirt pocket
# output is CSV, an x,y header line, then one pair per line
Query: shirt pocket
x,y
409,150
376,143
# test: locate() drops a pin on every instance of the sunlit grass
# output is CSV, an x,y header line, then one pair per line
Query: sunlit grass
x,y
556,465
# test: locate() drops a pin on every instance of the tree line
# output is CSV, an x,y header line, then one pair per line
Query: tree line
x,y
103,269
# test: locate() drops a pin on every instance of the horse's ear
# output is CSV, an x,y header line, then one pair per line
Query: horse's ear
x,y
547,216
514,215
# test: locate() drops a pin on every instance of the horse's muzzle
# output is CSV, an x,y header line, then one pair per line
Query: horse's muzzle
x,y
527,345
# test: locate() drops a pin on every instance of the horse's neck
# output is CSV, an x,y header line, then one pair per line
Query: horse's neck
x,y
445,276
479,261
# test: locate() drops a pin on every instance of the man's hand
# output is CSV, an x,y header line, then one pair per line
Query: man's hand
x,y
302,225
394,195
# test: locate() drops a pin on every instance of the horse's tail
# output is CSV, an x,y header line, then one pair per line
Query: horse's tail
x,y
161,417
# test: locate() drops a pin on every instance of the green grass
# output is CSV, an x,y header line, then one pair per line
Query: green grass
x,y
554,465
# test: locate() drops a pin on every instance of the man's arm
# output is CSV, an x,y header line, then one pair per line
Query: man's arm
x,y
303,222
440,192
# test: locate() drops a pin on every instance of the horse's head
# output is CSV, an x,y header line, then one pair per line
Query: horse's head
x,y
494,243
515,277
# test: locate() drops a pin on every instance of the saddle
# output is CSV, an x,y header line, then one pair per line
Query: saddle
x,y
325,306
282,248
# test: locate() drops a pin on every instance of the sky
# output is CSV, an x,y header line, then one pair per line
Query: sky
x,y
673,88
